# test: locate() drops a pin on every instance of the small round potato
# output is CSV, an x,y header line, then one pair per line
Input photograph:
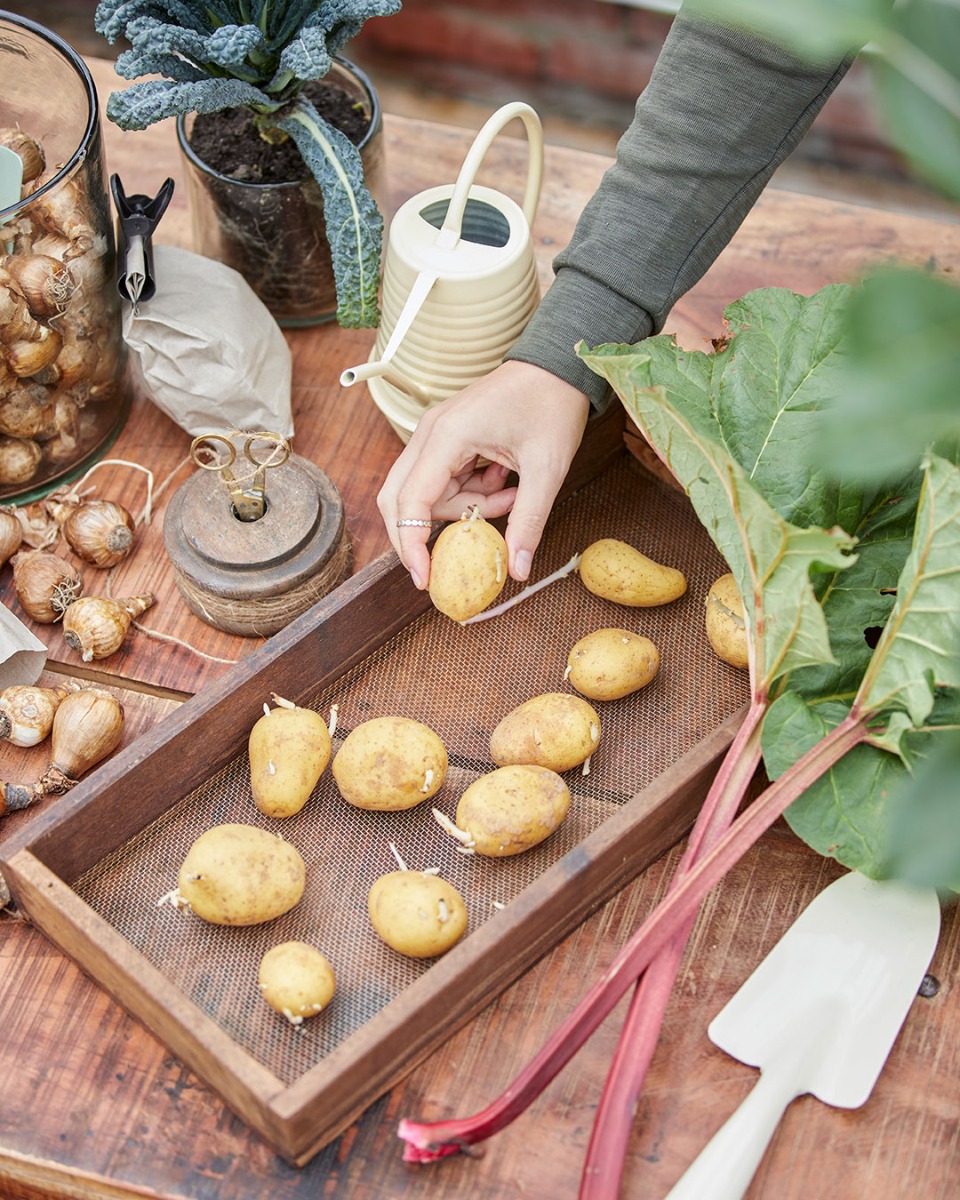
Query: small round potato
x,y
614,570
554,730
417,914
296,980
512,809
240,875
726,628
611,663
390,763
468,567
289,748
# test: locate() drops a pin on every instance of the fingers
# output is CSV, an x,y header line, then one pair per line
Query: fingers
x,y
520,419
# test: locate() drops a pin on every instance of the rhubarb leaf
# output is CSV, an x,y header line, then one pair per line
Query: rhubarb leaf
x,y
770,558
855,811
920,645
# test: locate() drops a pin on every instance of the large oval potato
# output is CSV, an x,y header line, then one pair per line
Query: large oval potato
x,y
296,980
611,663
512,809
468,567
726,627
390,763
417,914
617,571
289,748
554,730
236,874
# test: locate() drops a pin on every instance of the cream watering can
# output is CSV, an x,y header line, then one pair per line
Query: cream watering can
x,y
459,283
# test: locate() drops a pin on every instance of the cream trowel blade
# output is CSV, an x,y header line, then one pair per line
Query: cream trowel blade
x,y
818,1015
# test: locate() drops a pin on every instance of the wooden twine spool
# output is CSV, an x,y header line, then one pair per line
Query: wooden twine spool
x,y
253,577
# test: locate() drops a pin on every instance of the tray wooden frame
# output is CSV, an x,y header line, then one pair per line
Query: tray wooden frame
x,y
132,789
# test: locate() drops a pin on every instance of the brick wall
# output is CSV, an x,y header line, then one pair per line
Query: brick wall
x,y
578,58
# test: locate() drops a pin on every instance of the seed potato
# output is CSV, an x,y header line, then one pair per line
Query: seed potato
x,y
296,980
614,570
468,567
726,627
611,663
289,748
236,874
512,809
554,730
417,914
390,763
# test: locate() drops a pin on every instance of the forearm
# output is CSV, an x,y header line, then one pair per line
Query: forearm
x,y
721,112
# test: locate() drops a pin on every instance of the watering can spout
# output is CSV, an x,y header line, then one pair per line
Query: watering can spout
x,y
418,293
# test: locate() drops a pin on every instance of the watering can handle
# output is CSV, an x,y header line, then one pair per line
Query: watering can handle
x,y
471,164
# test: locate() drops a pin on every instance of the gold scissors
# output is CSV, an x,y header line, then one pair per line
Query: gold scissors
x,y
216,452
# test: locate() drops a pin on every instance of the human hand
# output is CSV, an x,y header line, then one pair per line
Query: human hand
x,y
519,418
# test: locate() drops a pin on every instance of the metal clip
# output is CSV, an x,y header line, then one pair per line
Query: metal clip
x,y
137,220
249,492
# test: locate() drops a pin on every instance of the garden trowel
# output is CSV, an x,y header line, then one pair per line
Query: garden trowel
x,y
818,1016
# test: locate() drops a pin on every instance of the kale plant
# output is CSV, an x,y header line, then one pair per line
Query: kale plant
x,y
259,54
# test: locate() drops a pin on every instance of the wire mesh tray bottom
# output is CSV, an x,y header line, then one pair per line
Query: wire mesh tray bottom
x,y
460,680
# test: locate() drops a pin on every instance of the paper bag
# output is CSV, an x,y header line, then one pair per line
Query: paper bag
x,y
206,349
22,656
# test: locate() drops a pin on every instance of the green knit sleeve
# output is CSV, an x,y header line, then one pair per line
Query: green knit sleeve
x,y
721,112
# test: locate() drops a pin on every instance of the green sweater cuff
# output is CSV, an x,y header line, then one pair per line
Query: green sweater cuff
x,y
578,308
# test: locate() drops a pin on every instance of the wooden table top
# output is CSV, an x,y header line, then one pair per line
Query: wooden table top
x,y
96,1107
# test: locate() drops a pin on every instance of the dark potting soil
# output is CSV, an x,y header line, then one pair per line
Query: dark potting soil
x,y
228,141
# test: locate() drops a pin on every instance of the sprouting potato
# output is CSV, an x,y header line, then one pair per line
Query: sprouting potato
x,y
726,628
617,571
511,809
289,747
611,663
237,874
417,913
555,730
468,567
390,763
297,980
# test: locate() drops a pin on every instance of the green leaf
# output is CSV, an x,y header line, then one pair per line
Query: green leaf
x,y
918,90
920,646
145,103
846,814
353,222
770,558
761,394
817,29
899,395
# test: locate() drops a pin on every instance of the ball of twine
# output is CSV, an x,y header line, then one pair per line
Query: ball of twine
x,y
262,616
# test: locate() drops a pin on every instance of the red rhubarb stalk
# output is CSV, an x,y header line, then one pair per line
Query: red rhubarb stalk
x,y
433,1140
638,1039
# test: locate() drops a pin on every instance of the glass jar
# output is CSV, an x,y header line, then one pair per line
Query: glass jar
x,y
273,234
64,386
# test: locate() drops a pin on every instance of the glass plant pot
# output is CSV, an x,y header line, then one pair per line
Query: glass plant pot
x,y
64,386
273,234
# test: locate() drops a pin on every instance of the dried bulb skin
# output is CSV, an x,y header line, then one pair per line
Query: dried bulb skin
x,y
100,532
11,534
88,726
27,712
45,281
19,459
96,626
46,584
29,150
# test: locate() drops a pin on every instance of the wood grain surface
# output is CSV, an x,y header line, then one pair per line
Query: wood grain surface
x,y
95,1106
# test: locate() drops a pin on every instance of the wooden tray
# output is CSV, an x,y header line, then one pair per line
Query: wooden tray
x,y
91,871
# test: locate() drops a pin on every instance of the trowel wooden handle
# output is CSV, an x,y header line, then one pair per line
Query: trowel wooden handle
x,y
725,1166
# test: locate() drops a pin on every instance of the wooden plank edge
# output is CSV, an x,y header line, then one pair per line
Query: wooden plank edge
x,y
141,989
